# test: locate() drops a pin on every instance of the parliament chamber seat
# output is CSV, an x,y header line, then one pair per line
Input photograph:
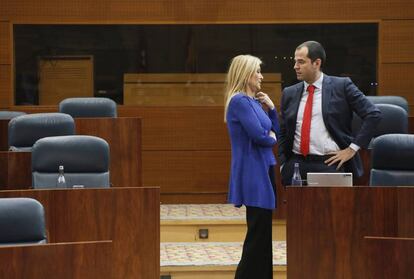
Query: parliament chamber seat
x,y
391,100
379,101
25,130
7,114
394,120
22,221
85,160
88,107
391,159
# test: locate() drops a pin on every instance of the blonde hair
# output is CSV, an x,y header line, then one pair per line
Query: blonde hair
x,y
242,67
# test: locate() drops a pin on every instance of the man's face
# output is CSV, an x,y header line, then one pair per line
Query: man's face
x,y
305,69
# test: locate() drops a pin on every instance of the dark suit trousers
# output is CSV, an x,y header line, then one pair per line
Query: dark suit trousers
x,y
256,261
257,257
310,163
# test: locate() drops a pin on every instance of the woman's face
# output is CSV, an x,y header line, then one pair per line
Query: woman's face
x,y
255,81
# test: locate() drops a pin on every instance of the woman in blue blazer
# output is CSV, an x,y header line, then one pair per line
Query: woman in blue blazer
x,y
252,133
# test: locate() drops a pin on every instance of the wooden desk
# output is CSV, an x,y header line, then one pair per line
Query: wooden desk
x,y
15,170
123,135
4,132
389,257
130,217
57,260
326,227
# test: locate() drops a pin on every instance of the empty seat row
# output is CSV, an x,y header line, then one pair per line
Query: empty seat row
x,y
51,139
78,107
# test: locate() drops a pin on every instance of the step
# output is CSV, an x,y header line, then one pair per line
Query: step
x,y
212,260
208,223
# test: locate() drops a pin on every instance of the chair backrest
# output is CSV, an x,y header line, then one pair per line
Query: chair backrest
x,y
7,114
392,100
85,160
88,107
25,130
22,221
392,159
394,120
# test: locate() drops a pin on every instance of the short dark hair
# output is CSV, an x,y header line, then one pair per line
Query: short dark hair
x,y
315,51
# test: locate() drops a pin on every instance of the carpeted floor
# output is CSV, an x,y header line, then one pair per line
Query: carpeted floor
x,y
211,253
208,253
201,211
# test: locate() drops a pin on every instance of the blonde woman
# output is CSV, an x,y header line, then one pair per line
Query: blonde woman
x,y
252,131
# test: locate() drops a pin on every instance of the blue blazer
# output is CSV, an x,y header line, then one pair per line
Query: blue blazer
x,y
340,98
251,152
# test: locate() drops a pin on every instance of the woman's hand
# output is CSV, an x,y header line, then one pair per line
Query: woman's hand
x,y
272,134
265,99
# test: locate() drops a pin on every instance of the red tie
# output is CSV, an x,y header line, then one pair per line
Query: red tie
x,y
306,122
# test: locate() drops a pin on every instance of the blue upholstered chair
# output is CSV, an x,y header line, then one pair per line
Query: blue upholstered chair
x,y
392,158
85,160
88,107
25,130
391,100
22,221
394,121
7,114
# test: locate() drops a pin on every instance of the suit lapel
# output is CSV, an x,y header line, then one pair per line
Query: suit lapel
x,y
326,97
296,100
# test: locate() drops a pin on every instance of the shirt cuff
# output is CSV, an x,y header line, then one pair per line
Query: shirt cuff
x,y
354,147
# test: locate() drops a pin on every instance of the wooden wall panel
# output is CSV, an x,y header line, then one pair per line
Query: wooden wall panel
x,y
186,89
187,171
6,96
5,41
199,11
181,128
397,79
62,77
397,41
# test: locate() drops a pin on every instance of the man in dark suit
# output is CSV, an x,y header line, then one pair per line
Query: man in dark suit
x,y
316,117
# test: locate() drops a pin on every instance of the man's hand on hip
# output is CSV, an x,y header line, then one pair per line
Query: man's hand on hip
x,y
340,157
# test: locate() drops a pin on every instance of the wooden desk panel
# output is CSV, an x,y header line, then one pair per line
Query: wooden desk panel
x,y
366,165
4,141
57,260
123,135
389,257
326,227
181,128
130,217
15,170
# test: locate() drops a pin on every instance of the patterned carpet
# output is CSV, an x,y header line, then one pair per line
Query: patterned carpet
x,y
211,253
208,253
202,211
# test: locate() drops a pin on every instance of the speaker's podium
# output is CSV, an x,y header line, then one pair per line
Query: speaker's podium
x,y
350,232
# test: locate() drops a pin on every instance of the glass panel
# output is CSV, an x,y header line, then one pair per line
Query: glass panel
x,y
176,64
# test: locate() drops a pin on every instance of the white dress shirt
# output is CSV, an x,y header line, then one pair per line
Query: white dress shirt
x,y
321,142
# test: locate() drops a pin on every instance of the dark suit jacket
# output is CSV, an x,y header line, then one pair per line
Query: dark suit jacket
x,y
340,97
